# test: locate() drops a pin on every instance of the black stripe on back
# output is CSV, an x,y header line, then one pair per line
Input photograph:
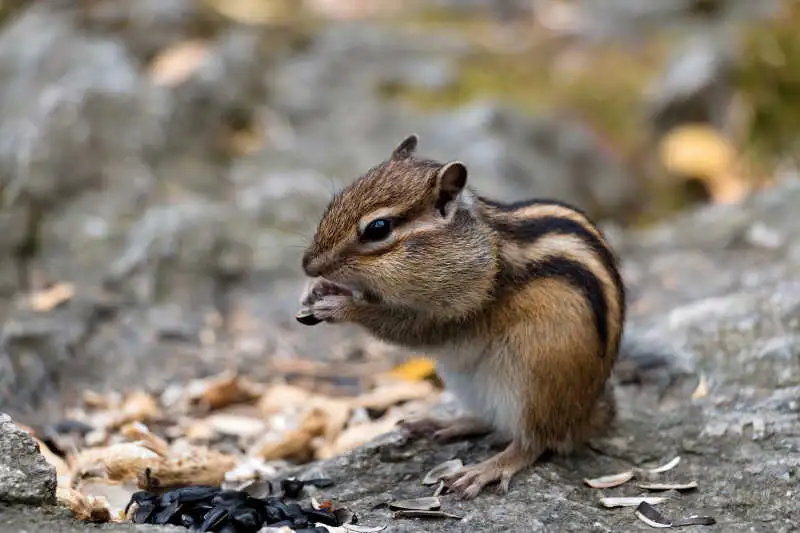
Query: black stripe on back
x,y
513,206
530,230
573,273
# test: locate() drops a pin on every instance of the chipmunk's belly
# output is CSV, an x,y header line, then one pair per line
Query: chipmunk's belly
x,y
483,383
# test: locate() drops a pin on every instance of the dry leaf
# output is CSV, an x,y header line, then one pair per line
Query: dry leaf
x,y
221,391
416,369
296,444
139,432
63,471
278,398
117,462
238,425
86,508
388,395
355,436
95,400
138,406
698,151
115,495
50,298
176,64
197,466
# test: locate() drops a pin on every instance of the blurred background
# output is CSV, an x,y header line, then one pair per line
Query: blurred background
x,y
163,162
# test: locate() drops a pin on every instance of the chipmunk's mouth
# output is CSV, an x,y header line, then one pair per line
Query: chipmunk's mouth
x,y
330,287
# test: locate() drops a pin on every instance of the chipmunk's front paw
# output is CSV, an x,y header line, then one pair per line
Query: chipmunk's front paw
x,y
325,301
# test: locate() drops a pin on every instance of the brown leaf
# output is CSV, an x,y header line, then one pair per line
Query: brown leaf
x,y
176,64
697,151
295,444
278,398
222,391
198,465
355,436
117,462
390,394
86,508
138,406
139,432
63,471
50,298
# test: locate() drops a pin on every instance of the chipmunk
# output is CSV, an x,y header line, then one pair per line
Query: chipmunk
x,y
521,304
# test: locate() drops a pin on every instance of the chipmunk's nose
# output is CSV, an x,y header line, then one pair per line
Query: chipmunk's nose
x,y
309,268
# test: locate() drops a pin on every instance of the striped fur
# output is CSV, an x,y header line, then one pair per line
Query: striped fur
x,y
521,303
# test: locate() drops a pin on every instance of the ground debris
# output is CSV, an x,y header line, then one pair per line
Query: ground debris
x,y
223,431
207,508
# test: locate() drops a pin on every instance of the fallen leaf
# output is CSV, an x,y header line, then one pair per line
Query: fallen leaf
x,y
63,471
355,436
197,466
86,508
49,299
136,431
698,151
176,64
388,395
116,462
238,425
613,480
221,391
295,444
138,406
278,397
416,369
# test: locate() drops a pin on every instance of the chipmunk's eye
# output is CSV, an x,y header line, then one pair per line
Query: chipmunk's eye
x,y
377,230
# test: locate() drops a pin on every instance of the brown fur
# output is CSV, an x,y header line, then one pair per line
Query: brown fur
x,y
466,276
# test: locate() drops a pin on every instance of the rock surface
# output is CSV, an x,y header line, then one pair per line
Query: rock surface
x,y
186,229
728,298
25,475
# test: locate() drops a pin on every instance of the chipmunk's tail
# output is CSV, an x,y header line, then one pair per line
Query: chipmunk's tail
x,y
647,358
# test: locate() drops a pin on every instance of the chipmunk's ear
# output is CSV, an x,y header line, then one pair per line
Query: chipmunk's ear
x,y
406,149
450,181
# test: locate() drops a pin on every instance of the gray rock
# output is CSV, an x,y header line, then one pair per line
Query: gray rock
x,y
25,475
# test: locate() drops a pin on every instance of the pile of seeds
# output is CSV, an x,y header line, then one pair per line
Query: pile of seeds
x,y
206,508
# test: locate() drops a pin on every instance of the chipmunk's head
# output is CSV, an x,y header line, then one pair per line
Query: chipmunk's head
x,y
405,234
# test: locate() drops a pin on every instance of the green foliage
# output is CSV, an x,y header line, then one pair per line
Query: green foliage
x,y
769,77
